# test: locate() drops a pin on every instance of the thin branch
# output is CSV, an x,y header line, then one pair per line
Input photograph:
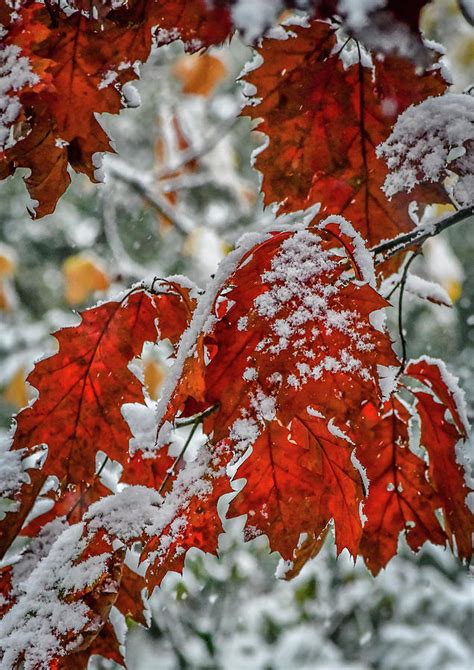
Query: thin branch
x,y
124,261
194,421
400,311
99,471
123,172
171,470
194,153
420,234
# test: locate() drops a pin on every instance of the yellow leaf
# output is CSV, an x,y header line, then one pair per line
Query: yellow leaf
x,y
16,392
199,73
83,276
154,375
7,261
439,209
453,289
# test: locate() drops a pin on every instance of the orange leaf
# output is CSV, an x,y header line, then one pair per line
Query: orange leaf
x,y
199,74
83,276
15,392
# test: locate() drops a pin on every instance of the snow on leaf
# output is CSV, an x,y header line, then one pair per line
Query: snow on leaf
x,y
428,142
62,605
12,521
324,120
297,316
308,334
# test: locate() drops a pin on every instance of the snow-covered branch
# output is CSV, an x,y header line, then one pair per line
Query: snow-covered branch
x,y
420,234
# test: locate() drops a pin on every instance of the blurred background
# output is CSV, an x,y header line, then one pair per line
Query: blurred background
x,y
176,198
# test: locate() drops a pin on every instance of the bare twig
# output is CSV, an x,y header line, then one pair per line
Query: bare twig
x,y
171,470
194,422
202,415
152,196
193,153
420,234
400,311
125,262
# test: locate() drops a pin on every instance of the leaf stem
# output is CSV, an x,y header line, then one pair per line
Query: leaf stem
x,y
180,455
198,417
400,311
194,422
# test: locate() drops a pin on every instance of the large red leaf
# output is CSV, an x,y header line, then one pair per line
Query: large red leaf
x,y
324,119
83,387
439,437
400,498
298,332
297,480
291,328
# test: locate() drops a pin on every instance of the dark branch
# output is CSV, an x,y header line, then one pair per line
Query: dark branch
x,y
400,310
416,237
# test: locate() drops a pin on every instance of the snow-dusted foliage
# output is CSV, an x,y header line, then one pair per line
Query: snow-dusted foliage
x,y
47,612
280,403
431,141
15,74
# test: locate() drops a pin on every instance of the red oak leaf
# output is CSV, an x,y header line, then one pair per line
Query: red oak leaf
x,y
439,438
435,376
298,479
400,499
298,332
324,117
291,328
83,387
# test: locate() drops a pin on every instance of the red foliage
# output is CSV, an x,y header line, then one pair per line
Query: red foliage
x,y
87,383
400,497
324,119
280,361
